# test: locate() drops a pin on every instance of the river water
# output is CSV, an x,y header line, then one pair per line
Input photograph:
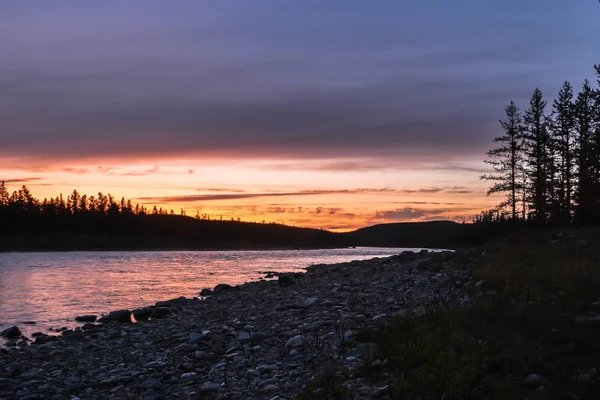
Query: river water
x,y
51,288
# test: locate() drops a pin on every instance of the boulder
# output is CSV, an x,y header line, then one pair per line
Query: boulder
x,y
11,333
222,287
161,312
286,280
173,302
142,314
118,316
86,318
206,292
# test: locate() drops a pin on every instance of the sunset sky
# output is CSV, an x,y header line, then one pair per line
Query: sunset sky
x,y
330,114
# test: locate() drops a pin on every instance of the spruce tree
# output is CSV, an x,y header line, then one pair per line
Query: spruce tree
x,y
595,153
507,161
536,150
562,132
585,120
4,195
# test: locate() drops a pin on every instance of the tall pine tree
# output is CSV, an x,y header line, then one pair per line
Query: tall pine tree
x,y
507,161
536,149
585,120
595,153
562,133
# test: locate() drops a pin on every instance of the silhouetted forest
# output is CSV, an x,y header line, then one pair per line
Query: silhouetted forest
x,y
79,222
547,162
100,222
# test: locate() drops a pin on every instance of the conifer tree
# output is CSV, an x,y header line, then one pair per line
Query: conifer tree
x,y
507,161
4,195
562,132
584,120
536,149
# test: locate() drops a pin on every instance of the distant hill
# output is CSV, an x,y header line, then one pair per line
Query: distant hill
x,y
435,234
174,232
164,232
408,234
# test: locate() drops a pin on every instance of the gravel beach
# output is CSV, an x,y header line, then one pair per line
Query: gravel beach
x,y
260,340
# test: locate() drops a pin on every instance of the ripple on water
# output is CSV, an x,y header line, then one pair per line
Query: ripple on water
x,y
52,288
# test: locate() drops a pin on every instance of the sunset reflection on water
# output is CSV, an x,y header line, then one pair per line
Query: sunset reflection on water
x,y
52,288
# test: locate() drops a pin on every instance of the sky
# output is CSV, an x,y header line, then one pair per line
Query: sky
x,y
331,114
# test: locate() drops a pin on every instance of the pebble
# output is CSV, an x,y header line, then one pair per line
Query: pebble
x,y
261,340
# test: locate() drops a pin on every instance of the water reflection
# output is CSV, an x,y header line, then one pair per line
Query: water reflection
x,y
52,288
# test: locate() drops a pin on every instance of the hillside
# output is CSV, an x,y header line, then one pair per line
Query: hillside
x,y
161,232
434,234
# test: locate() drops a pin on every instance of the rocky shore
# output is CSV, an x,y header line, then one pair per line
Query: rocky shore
x,y
261,340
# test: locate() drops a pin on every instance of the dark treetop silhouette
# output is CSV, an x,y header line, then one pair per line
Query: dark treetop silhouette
x,y
549,164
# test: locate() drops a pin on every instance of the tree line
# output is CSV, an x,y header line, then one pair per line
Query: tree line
x,y
21,203
547,162
78,222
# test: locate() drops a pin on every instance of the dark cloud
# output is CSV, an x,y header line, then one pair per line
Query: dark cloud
x,y
425,190
427,202
337,166
403,214
420,214
19,180
235,196
231,79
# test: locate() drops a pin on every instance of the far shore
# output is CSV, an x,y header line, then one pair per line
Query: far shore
x,y
168,249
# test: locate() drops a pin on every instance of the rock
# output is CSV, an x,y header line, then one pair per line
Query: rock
x,y
11,333
210,388
255,337
311,301
119,316
206,292
161,312
29,322
222,287
296,341
143,314
271,389
155,364
173,302
195,337
286,280
535,381
188,376
348,337
150,384
86,318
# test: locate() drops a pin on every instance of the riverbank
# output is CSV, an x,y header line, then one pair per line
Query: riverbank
x,y
383,328
259,339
